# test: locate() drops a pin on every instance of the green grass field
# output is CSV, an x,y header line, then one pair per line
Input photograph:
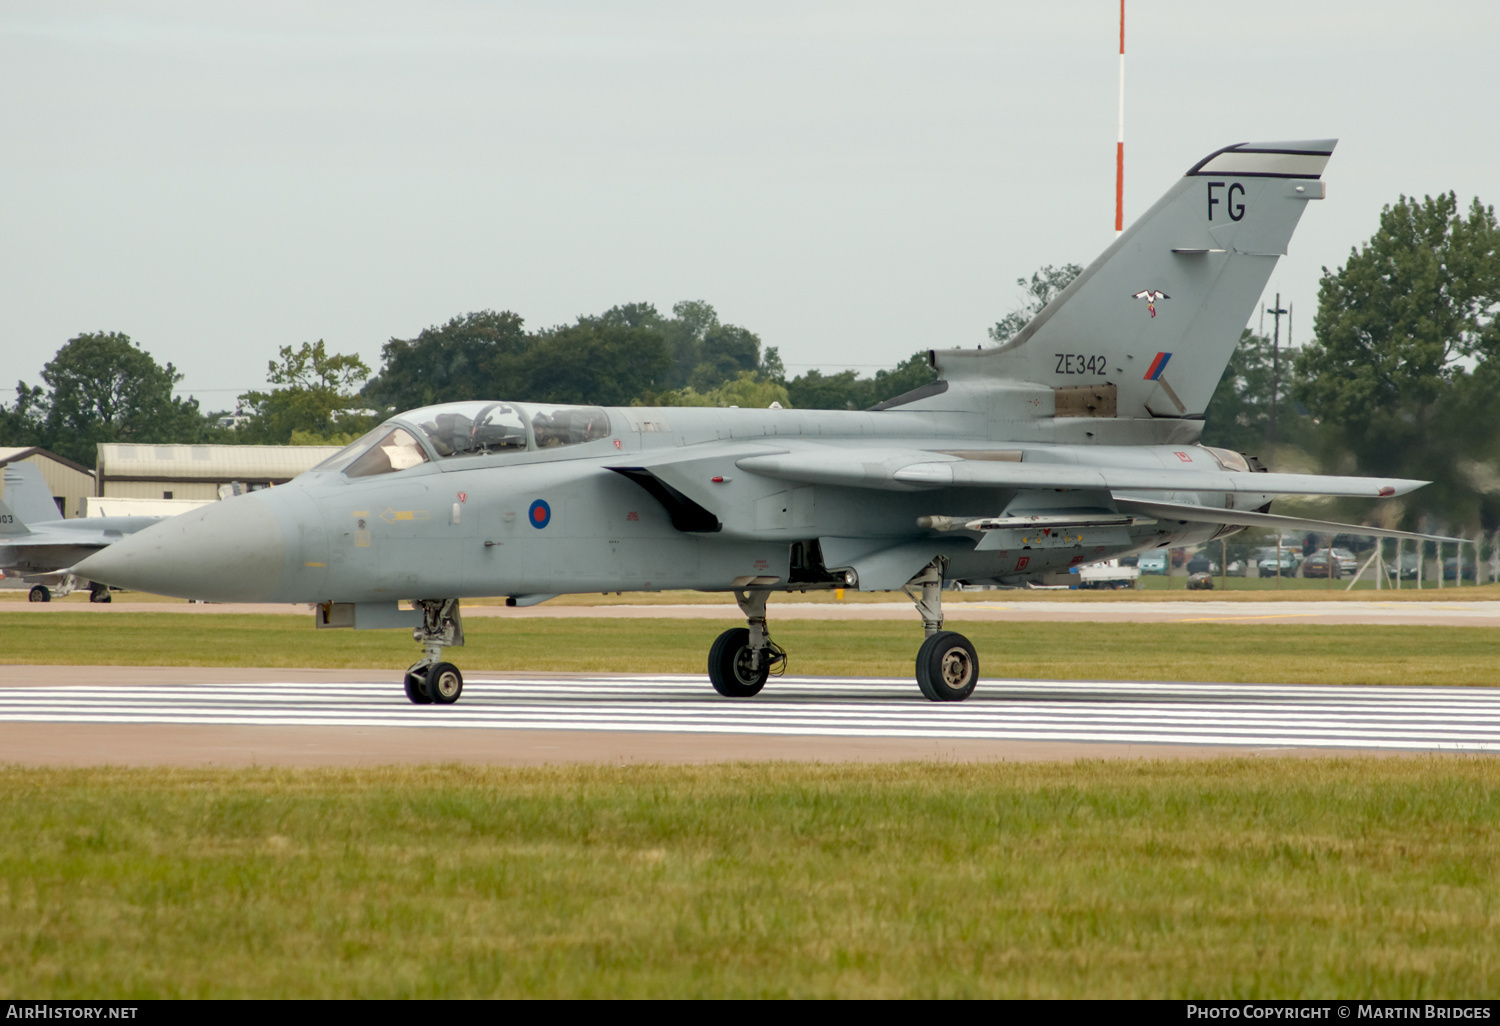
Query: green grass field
x,y
1232,878
1233,652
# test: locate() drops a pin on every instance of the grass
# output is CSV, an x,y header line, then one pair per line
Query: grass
x,y
1231,878
1233,652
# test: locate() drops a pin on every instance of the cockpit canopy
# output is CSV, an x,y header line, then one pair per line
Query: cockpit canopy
x,y
458,430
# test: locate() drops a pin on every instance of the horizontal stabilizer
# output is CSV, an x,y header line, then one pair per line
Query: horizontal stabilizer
x,y
845,468
1246,518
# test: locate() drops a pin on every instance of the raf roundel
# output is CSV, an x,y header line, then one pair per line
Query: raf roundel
x,y
540,514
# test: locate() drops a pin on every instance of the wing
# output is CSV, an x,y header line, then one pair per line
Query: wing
x,y
913,470
1248,518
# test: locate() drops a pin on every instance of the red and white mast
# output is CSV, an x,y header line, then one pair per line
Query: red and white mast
x,y
1120,143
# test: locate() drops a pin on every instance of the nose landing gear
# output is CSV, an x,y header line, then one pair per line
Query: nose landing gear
x,y
430,680
742,658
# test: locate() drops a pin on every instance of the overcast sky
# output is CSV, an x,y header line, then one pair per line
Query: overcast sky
x,y
853,181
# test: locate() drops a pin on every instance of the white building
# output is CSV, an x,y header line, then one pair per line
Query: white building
x,y
132,470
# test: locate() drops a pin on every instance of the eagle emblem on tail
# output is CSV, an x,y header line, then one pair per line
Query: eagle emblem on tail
x,y
1150,296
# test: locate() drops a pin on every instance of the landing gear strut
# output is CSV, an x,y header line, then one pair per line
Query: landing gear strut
x,y
947,665
742,658
430,679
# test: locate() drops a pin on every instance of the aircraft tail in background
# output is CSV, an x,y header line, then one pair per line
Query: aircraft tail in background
x,y
28,500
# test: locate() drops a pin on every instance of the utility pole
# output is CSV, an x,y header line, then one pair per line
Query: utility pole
x,y
1276,313
1120,140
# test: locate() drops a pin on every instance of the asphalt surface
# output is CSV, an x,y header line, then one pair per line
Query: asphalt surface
x,y
92,715
1198,610
196,716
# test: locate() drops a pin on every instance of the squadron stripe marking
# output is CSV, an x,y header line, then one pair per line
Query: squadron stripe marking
x,y
1410,719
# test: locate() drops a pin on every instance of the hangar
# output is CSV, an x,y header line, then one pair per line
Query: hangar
x,y
134,470
71,483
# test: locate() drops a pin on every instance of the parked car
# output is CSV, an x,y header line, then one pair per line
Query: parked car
x,y
1201,564
1343,558
1319,565
1241,568
1403,568
1287,564
1450,569
1152,562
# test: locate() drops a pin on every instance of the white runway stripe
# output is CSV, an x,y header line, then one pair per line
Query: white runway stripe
x,y
1439,719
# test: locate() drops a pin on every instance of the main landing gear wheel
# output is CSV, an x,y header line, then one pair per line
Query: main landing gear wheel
x,y
729,665
416,689
947,667
39,594
444,684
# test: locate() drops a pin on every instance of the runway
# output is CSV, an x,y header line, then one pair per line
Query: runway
x,y
680,718
1200,609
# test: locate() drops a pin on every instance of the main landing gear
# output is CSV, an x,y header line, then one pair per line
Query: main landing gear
x,y
742,658
431,680
947,666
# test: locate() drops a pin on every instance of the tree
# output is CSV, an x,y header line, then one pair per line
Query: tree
x,y
1044,287
846,390
474,356
748,390
21,424
594,362
317,403
102,387
1239,413
1401,367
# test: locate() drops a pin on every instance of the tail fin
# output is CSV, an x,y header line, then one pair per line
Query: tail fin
x,y
27,496
1149,327
10,524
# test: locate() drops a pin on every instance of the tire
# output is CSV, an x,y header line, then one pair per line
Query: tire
x,y
444,684
947,667
416,690
100,593
729,665
39,594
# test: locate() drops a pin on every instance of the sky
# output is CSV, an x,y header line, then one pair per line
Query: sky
x,y
853,181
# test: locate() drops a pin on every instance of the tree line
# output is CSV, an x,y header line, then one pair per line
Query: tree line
x,y
103,387
1400,378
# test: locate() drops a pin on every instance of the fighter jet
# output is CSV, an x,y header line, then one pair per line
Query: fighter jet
x,y
36,543
1074,442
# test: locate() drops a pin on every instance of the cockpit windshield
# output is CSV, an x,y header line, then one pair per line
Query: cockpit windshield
x,y
397,450
493,427
467,429
568,425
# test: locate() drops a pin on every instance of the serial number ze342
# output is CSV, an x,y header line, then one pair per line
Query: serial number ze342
x,y
1081,363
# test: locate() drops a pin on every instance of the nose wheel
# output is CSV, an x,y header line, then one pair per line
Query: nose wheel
x,y
438,684
431,680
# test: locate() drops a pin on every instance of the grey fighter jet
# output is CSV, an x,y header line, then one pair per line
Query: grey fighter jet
x,y
38,545
1075,441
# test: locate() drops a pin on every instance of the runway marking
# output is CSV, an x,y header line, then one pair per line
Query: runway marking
x,y
1413,719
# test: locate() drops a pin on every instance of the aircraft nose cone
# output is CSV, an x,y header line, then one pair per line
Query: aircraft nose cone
x,y
229,551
